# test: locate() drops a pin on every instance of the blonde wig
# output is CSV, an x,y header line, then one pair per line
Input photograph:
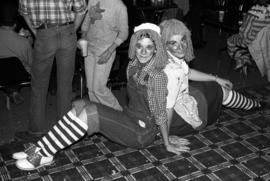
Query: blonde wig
x,y
175,27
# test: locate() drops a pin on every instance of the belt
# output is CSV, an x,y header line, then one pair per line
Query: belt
x,y
47,26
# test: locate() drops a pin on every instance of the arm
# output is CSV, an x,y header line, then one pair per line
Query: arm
x,y
23,11
28,22
196,75
122,27
157,102
78,20
85,25
79,7
28,56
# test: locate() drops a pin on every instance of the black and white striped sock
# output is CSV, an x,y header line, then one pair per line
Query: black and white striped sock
x,y
68,130
237,100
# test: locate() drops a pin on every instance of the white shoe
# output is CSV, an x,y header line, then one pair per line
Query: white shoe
x,y
33,162
30,149
19,155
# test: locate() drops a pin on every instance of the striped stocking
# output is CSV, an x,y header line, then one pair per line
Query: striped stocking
x,y
68,130
237,100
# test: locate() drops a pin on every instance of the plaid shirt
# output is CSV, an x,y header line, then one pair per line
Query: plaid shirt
x,y
51,11
157,97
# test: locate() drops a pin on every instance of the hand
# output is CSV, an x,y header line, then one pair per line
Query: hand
x,y
104,57
95,13
178,140
224,83
177,145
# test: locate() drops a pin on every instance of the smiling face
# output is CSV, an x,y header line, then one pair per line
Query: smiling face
x,y
145,49
177,45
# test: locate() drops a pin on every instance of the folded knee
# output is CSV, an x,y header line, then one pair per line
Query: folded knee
x,y
79,105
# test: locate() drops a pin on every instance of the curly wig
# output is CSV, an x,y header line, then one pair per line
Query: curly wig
x,y
159,60
175,27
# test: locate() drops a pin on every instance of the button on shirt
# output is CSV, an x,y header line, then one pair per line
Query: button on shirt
x,y
51,11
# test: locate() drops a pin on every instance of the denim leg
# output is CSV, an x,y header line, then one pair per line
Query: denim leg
x,y
44,50
65,62
123,129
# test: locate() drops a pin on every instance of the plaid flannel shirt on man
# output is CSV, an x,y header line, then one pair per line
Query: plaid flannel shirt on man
x,y
51,11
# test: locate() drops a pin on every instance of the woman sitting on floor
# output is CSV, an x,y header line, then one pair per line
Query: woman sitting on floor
x,y
137,126
216,91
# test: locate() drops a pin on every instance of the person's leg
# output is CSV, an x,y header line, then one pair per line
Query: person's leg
x,y
67,131
101,91
65,62
44,51
234,99
89,66
91,118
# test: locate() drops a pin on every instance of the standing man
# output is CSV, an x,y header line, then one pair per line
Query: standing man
x,y
105,27
54,24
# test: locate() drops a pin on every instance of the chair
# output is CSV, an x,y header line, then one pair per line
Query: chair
x,y
12,73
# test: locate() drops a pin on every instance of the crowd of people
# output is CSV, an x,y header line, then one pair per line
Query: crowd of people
x,y
165,96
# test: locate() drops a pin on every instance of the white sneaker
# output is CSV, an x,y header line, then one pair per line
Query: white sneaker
x,y
19,155
30,149
33,162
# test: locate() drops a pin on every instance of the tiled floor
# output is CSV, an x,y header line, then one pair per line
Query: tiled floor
x,y
237,147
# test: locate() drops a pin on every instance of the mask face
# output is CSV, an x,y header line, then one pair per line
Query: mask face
x,y
145,49
177,45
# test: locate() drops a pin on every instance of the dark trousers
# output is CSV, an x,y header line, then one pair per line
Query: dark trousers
x,y
59,43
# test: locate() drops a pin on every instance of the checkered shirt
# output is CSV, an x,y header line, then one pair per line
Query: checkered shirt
x,y
51,11
157,96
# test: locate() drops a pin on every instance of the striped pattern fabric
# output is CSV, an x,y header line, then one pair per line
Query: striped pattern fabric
x,y
251,27
68,130
237,100
237,44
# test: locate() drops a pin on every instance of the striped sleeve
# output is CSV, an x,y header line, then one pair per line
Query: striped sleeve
x,y
157,97
251,27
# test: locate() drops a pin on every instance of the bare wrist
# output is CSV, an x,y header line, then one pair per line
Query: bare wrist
x,y
214,78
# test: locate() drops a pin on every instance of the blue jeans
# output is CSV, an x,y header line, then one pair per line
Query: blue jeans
x,y
59,43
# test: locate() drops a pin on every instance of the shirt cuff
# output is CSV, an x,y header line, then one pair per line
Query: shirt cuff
x,y
118,41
